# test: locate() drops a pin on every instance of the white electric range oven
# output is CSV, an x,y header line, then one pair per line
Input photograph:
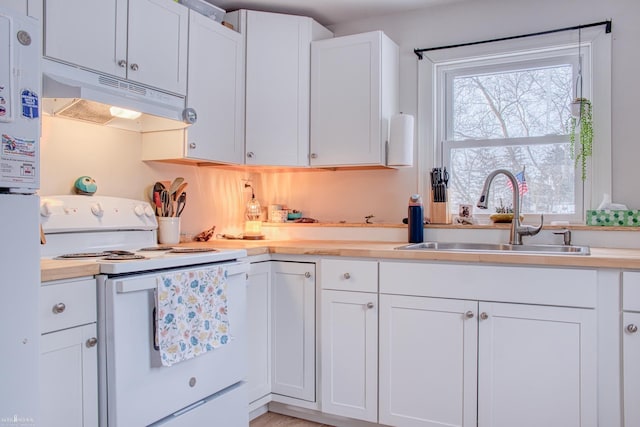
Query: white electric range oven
x,y
136,387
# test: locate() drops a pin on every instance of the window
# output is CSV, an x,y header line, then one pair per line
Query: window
x,y
488,107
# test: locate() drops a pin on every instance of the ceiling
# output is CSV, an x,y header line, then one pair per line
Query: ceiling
x,y
329,12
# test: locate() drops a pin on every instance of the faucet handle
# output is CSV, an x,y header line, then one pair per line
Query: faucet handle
x,y
528,230
566,234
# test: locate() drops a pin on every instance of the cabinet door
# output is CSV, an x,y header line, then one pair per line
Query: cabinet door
x,y
428,361
631,368
349,362
259,330
88,33
277,85
346,101
536,366
293,330
69,378
157,44
216,88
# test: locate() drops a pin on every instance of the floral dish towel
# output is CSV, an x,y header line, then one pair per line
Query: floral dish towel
x,y
191,314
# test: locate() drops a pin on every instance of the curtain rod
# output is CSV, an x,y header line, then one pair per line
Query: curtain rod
x,y
607,23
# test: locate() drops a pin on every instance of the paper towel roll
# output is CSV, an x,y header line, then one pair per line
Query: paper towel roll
x,y
400,140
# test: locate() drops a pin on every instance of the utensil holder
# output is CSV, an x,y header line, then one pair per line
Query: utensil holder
x,y
168,230
439,211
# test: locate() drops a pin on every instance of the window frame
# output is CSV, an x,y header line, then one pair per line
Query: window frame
x,y
446,74
595,42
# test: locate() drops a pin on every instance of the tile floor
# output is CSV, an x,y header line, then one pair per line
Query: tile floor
x,y
271,419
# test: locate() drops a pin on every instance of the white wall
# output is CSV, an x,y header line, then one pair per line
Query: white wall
x,y
486,19
71,149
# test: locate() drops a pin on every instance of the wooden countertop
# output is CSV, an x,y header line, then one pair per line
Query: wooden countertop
x,y
599,258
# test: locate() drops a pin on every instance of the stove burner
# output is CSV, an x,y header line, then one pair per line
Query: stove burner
x,y
157,248
84,255
123,257
118,252
191,250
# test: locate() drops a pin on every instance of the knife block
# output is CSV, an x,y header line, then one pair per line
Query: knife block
x,y
439,211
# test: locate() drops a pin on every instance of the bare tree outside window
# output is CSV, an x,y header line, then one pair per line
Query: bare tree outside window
x,y
512,119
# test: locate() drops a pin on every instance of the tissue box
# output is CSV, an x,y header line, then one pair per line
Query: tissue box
x,y
611,218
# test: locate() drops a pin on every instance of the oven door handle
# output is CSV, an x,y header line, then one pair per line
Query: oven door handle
x,y
144,284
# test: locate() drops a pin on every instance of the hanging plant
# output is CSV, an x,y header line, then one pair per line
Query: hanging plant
x,y
581,119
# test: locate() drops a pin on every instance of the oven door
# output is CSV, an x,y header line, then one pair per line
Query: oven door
x,y
138,389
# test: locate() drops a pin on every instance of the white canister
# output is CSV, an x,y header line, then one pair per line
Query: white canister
x,y
273,213
168,230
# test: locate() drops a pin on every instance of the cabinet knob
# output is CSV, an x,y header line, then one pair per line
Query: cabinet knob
x,y
469,314
59,308
484,316
91,342
122,63
313,155
192,145
631,328
346,276
192,382
250,155
134,67
307,274
370,305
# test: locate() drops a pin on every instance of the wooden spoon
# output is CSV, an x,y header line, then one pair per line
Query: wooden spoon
x,y
174,186
180,190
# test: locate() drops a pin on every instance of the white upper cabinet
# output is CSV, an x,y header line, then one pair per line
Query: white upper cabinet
x,y
277,86
142,40
354,93
215,92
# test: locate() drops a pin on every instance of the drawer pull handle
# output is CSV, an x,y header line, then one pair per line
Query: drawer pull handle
x,y
59,308
347,276
91,342
631,328
484,316
469,314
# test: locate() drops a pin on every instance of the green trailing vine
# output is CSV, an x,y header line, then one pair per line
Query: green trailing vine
x,y
585,123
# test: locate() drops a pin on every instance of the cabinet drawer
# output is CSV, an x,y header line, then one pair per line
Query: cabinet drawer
x,y
349,275
631,291
67,304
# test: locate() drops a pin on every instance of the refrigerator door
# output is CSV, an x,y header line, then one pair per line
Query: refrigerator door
x,y
19,287
20,83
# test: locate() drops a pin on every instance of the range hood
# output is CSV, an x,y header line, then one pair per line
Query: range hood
x,y
80,94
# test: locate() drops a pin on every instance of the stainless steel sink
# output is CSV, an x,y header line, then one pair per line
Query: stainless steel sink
x,y
498,247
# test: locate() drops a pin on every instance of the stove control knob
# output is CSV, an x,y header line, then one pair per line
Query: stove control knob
x,y
138,210
45,209
149,212
97,210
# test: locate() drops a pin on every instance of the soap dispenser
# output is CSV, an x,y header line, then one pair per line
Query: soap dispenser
x,y
416,219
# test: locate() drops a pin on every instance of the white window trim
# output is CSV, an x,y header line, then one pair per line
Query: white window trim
x,y
599,179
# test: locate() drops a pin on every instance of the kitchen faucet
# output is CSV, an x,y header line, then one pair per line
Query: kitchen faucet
x,y
517,230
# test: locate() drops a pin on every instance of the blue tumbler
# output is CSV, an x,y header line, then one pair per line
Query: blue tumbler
x,y
416,219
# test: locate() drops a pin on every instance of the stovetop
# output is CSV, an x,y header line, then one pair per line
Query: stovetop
x,y
119,234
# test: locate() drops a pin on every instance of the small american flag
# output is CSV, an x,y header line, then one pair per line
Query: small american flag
x,y
522,183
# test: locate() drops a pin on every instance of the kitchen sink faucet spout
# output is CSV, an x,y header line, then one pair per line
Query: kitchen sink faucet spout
x,y
517,230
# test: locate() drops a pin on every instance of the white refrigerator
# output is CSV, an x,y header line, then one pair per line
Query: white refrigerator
x,y
20,82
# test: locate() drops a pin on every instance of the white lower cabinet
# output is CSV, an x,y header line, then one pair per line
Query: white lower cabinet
x,y
68,387
631,368
631,347
428,361
536,366
259,330
492,346
442,361
349,338
69,378
293,330
349,361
